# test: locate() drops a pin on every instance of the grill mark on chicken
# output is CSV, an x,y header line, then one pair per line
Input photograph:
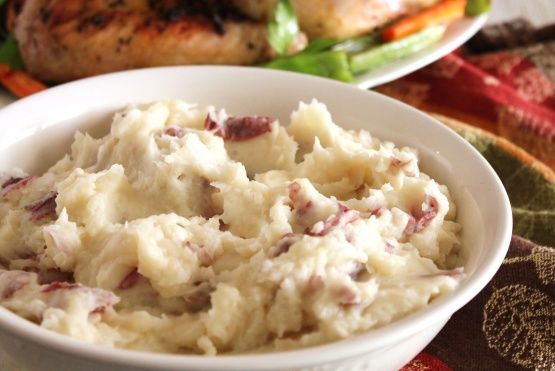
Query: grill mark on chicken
x,y
61,40
216,12
98,20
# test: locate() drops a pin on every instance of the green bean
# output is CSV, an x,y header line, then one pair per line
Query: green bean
x,y
319,45
477,7
331,64
9,53
357,44
284,27
392,51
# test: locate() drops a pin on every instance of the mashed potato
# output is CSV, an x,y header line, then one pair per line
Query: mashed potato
x,y
186,230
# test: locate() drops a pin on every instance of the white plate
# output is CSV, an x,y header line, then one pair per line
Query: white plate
x,y
457,33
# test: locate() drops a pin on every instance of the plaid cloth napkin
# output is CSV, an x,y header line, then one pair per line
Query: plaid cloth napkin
x,y
504,82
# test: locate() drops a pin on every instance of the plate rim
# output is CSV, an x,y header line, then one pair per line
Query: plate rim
x,y
410,64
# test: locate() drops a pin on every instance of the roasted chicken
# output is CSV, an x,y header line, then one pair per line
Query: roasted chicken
x,y
65,40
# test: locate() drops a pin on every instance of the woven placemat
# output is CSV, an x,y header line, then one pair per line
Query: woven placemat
x,y
510,325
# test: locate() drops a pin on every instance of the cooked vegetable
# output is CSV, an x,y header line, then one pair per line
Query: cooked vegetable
x,y
9,53
357,44
284,27
19,82
319,45
383,54
348,45
331,64
444,11
477,7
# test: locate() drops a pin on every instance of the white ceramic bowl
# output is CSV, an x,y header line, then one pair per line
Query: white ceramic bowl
x,y
36,131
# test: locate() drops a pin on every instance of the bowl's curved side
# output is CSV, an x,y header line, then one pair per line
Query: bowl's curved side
x,y
58,112
35,356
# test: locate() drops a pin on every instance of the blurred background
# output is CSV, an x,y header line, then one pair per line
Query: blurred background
x,y
539,12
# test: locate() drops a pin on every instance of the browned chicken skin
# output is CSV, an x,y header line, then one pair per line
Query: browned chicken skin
x,y
65,40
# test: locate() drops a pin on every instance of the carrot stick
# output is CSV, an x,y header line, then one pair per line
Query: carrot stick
x,y
19,83
444,11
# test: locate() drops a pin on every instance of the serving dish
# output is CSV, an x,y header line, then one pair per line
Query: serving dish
x,y
37,130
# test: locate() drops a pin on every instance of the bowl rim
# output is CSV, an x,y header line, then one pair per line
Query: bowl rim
x,y
441,308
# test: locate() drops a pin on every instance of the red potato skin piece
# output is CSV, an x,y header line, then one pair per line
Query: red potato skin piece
x,y
201,299
19,282
346,296
314,284
59,285
295,204
174,131
54,275
14,184
399,165
130,280
343,217
389,247
44,208
237,129
11,181
283,245
420,218
203,256
104,299
294,190
395,162
99,310
377,212
304,209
